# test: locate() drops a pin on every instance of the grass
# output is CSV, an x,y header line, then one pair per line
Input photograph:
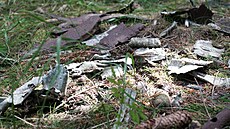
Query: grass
x,y
22,28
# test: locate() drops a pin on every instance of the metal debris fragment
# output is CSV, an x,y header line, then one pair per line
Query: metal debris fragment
x,y
56,78
168,30
120,34
97,38
20,94
116,71
145,42
185,65
216,81
205,48
154,54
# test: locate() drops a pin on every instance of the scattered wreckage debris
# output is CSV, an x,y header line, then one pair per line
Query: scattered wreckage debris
x,y
184,65
150,55
120,34
106,66
20,94
168,30
83,29
220,121
97,38
79,29
205,48
144,42
201,15
179,120
83,94
197,17
216,81
55,79
222,25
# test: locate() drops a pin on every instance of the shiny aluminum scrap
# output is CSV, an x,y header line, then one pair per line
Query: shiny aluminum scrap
x,y
56,78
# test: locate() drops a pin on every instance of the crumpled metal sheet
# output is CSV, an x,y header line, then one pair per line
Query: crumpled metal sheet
x,y
97,38
222,25
216,81
154,54
56,78
120,34
205,48
127,60
20,94
185,65
201,15
144,42
117,71
80,28
76,69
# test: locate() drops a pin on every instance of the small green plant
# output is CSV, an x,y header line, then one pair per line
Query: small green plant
x,y
135,108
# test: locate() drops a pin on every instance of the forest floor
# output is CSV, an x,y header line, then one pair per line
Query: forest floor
x,y
90,99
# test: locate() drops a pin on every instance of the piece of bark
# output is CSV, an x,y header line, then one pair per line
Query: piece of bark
x,y
84,29
221,120
120,34
177,120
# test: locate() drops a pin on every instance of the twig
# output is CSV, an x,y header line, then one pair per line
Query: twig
x,y
203,100
25,121
213,90
96,126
